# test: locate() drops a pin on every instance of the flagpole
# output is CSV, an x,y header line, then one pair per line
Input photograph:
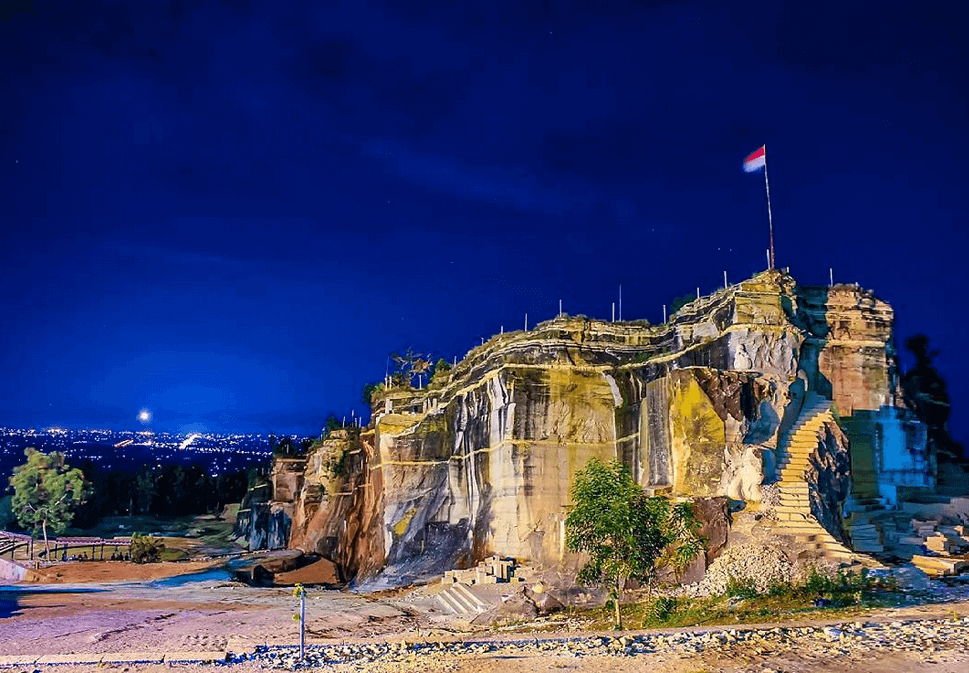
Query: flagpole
x,y
770,220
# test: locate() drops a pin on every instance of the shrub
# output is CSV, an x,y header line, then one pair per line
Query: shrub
x,y
737,588
840,582
146,549
662,608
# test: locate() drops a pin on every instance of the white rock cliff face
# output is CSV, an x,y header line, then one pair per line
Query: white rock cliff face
x,y
483,463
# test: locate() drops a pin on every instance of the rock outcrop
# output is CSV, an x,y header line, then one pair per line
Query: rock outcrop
x,y
482,462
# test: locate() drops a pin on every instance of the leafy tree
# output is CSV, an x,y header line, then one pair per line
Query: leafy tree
x,y
442,369
369,390
679,302
146,549
926,393
626,534
145,489
6,513
332,423
46,492
286,446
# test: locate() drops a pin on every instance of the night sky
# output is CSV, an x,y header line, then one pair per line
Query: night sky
x,y
230,213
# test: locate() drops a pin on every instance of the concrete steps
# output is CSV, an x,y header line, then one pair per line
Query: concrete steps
x,y
460,600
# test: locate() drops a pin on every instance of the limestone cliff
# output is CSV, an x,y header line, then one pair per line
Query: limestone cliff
x,y
482,463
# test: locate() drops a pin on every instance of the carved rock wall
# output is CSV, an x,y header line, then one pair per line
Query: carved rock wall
x,y
483,464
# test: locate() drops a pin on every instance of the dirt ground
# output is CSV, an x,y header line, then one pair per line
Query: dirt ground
x,y
114,571
86,618
217,615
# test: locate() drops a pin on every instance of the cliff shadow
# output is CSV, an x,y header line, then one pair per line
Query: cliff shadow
x,y
12,602
812,316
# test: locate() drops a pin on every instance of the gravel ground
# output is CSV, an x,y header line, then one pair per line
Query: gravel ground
x,y
925,637
926,646
383,634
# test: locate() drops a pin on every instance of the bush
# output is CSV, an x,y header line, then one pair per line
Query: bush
x,y
840,582
146,549
737,588
662,608
679,302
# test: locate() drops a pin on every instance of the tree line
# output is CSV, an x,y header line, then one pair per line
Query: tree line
x,y
159,490
46,492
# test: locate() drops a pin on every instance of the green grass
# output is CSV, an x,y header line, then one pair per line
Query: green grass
x,y
184,536
722,610
124,526
844,595
173,554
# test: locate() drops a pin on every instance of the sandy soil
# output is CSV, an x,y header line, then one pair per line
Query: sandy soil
x,y
114,571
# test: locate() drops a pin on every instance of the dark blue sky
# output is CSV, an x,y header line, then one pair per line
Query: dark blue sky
x,y
230,213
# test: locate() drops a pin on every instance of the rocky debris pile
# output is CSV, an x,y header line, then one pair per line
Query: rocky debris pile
x,y
938,538
528,602
752,566
925,636
937,548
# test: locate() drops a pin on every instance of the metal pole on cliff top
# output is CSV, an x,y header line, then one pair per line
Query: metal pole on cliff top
x,y
770,219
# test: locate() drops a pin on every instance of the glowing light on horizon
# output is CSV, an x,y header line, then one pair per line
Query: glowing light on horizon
x,y
144,416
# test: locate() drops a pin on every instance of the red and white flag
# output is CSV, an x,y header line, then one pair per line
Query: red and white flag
x,y
756,159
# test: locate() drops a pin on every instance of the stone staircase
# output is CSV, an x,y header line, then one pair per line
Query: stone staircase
x,y
458,599
794,517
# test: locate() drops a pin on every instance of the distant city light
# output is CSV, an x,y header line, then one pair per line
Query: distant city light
x,y
144,416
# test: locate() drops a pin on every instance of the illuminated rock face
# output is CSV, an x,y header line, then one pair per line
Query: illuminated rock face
x,y
483,464
850,355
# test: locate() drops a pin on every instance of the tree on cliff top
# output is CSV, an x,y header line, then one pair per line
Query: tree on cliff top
x,y
411,364
679,302
626,534
46,492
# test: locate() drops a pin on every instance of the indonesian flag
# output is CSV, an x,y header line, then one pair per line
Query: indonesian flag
x,y
756,159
